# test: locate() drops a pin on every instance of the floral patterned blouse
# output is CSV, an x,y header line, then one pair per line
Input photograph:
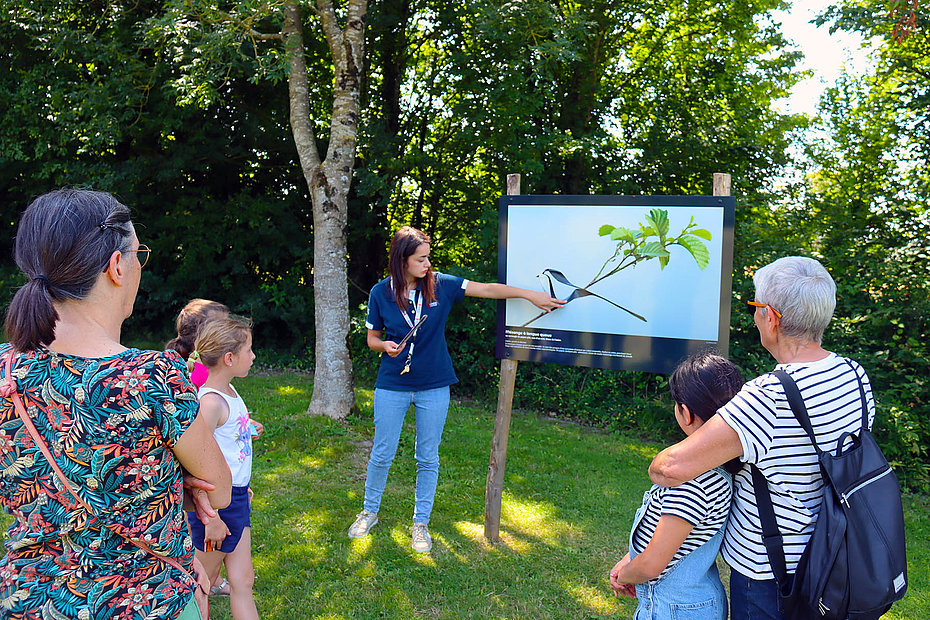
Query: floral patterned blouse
x,y
110,423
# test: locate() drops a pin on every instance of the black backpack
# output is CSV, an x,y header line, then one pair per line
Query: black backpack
x,y
854,565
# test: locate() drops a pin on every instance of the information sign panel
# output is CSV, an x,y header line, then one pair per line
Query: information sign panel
x,y
647,278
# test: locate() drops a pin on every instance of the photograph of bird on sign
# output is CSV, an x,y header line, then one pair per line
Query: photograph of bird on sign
x,y
623,269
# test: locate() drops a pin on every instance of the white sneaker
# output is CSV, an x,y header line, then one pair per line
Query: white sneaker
x,y
364,521
422,542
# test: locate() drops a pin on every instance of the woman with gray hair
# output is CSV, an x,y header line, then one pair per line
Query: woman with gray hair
x,y
794,302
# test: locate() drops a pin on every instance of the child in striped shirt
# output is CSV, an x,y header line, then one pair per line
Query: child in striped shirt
x,y
671,565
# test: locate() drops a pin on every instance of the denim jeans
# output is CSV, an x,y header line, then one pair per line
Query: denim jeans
x,y
430,408
752,599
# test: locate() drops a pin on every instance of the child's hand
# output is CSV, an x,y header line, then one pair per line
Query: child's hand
x,y
617,583
214,534
259,428
628,590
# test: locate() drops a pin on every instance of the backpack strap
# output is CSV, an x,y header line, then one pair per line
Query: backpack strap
x,y
797,405
771,535
865,406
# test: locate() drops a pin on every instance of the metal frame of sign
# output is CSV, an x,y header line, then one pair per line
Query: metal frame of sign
x,y
647,318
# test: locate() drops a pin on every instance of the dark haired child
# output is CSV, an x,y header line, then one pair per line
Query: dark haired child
x,y
194,314
676,533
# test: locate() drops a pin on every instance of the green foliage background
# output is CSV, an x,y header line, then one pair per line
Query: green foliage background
x,y
187,122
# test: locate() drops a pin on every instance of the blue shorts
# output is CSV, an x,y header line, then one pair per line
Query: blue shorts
x,y
236,516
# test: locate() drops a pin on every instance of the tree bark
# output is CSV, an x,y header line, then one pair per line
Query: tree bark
x,y
329,182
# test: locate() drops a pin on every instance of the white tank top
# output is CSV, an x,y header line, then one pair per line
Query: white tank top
x,y
234,437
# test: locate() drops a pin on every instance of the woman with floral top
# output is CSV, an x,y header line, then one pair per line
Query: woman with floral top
x,y
111,540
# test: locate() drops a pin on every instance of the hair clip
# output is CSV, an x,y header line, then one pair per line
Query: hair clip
x,y
195,355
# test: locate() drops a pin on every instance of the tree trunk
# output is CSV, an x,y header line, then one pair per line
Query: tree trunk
x,y
328,182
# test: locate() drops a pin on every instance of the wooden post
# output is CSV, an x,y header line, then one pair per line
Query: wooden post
x,y
494,489
722,188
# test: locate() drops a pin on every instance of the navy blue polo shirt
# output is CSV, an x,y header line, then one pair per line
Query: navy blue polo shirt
x,y
431,366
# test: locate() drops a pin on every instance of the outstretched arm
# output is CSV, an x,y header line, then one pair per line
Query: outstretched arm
x,y
710,446
493,290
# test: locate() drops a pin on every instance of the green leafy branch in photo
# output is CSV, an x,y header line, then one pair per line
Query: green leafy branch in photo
x,y
633,247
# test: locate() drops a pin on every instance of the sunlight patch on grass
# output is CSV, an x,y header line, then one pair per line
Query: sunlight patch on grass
x,y
449,547
291,390
366,570
475,532
515,539
401,536
301,546
593,598
423,559
313,462
365,399
263,563
278,479
471,530
514,543
644,450
303,532
358,549
535,519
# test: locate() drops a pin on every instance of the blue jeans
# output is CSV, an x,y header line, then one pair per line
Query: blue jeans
x,y
430,408
752,599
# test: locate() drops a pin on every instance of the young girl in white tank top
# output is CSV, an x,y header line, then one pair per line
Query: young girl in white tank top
x,y
224,346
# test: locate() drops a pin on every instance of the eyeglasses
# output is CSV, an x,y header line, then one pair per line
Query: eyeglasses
x,y
143,252
755,304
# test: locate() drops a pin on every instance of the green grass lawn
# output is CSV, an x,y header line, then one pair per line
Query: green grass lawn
x,y
569,498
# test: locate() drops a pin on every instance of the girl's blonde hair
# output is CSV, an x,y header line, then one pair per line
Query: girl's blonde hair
x,y
220,336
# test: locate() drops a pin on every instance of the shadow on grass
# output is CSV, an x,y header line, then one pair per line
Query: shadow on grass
x,y
569,498
570,494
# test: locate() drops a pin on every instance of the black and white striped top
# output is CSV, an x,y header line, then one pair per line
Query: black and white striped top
x,y
703,502
772,439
